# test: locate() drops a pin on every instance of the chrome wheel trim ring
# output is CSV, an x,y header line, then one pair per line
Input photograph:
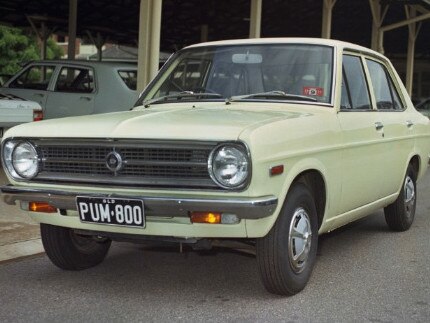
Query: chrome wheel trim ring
x,y
409,195
299,240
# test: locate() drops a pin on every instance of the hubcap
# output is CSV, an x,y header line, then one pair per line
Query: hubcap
x,y
299,241
409,190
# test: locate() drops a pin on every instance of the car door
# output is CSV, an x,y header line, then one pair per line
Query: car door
x,y
398,126
73,93
32,83
363,139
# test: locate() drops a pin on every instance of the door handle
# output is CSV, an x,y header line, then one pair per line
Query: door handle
x,y
39,95
409,123
379,125
85,98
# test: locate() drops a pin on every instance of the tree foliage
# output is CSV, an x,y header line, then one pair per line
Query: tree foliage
x,y
17,48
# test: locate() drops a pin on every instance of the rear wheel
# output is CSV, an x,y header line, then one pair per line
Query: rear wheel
x,y
286,255
400,214
70,251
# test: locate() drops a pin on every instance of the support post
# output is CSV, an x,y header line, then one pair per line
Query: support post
x,y
43,35
378,16
412,37
149,41
73,15
327,18
255,19
204,32
98,41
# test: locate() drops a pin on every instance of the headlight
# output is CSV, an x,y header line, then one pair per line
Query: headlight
x,y
21,159
229,165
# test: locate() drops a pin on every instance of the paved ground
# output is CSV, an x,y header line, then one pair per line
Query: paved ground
x,y
19,235
364,273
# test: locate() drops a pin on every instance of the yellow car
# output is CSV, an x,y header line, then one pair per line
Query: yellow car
x,y
270,140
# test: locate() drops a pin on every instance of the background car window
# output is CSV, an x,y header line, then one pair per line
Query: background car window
x,y
35,77
385,93
187,76
355,94
129,78
77,80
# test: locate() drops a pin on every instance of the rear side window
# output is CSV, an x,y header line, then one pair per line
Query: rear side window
x,y
75,80
386,95
355,94
129,78
35,77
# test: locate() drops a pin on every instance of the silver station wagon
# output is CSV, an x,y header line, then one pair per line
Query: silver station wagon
x,y
273,141
72,88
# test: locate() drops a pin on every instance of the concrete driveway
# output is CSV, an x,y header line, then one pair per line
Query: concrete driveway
x,y
364,272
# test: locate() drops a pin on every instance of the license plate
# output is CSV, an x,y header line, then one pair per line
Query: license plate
x,y
113,211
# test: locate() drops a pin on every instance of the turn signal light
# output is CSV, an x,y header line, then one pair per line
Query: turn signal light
x,y
205,217
41,207
37,115
276,170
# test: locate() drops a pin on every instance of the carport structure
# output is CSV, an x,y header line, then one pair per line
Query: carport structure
x,y
390,26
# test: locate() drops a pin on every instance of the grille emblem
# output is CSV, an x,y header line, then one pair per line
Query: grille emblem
x,y
114,161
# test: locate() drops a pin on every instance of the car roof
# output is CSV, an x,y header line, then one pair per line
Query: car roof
x,y
119,64
290,40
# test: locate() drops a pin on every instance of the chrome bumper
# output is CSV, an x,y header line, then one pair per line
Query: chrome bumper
x,y
243,207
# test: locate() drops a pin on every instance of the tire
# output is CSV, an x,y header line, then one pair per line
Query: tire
x,y
70,251
282,270
400,214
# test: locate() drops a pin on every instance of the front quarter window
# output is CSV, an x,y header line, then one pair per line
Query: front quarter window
x,y
35,77
241,70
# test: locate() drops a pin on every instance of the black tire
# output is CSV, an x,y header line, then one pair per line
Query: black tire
x,y
400,214
70,251
280,273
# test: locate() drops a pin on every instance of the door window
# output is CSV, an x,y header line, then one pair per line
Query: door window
x,y
75,80
386,95
355,94
35,77
129,77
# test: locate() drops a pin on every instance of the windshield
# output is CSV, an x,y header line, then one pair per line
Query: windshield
x,y
238,72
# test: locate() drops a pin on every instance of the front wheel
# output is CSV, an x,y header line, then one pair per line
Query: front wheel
x,y
286,255
400,214
70,251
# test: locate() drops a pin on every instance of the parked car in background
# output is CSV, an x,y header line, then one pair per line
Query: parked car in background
x,y
15,110
272,141
70,88
424,107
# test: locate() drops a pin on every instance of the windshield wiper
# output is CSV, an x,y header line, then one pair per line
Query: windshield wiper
x,y
181,95
281,95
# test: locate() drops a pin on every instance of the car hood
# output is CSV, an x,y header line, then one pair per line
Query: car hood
x,y
167,121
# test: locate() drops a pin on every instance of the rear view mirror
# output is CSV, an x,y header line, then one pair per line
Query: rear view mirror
x,y
247,58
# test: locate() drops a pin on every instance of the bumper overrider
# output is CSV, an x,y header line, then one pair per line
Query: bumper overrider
x,y
242,207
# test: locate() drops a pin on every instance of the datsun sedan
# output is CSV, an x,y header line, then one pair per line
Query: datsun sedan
x,y
66,88
274,141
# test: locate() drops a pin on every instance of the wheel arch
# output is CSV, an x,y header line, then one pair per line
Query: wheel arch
x,y
415,161
314,180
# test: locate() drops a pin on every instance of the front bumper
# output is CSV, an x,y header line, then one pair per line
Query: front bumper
x,y
243,207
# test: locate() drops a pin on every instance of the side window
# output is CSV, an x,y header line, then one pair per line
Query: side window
x,y
354,94
386,95
129,77
35,77
75,79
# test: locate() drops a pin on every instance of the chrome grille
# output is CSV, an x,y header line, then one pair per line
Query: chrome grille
x,y
143,163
